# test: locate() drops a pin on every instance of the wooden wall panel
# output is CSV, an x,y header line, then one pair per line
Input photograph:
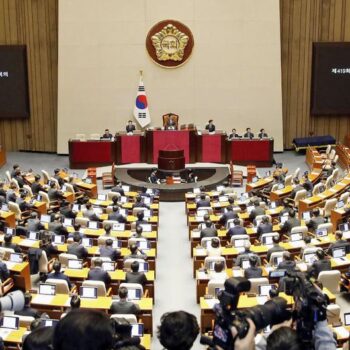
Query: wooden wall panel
x,y
33,23
302,23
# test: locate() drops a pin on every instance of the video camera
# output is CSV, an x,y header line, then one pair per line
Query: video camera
x,y
227,316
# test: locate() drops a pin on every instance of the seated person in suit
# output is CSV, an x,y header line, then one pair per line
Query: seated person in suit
x,y
2,190
107,135
11,195
288,263
296,187
77,248
34,255
58,177
308,244
237,229
140,218
290,223
123,306
58,275
20,179
262,134
253,271
219,272
275,248
202,202
7,243
67,210
171,123
339,242
214,249
54,194
228,215
248,134
15,167
233,135
139,203
108,251
316,220
98,274
265,226
4,272
209,230
130,127
210,126
57,227
138,232
308,185
89,213
258,210
153,178
76,231
135,253
118,188
322,264
27,309
135,276
21,201
34,224
246,254
115,215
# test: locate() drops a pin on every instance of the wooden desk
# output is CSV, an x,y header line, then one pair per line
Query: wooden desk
x,y
337,215
14,336
261,183
9,218
2,156
20,274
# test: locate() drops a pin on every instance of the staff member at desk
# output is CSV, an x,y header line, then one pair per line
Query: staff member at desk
x,y
210,126
107,135
248,134
233,135
171,123
262,134
130,127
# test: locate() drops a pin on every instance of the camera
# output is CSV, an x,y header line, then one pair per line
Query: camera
x,y
227,316
310,305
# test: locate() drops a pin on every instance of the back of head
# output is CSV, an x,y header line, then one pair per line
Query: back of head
x,y
138,199
257,203
265,219
307,239
98,262
8,238
39,339
27,298
115,208
215,243
135,266
208,223
247,245
320,254
338,235
202,196
109,242
275,239
178,330
287,256
253,260
76,237
140,215
76,227
75,302
139,230
292,213
219,266
316,212
83,330
206,217
133,248
236,222
283,338
108,228
123,292
56,266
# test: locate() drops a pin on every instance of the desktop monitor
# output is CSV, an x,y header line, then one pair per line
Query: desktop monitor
x,y
47,289
108,266
11,322
340,204
49,322
137,330
58,239
143,245
223,198
267,240
102,197
298,236
88,180
143,266
5,207
250,208
126,188
147,213
116,244
93,225
147,200
33,235
277,273
278,260
196,190
309,258
283,219
16,258
87,242
118,227
280,186
45,218
39,197
239,243
255,179
76,207
264,289
321,232
146,227
88,292
10,231
339,252
347,319
306,216
123,199
273,205
344,227
75,264
134,293
97,210
68,222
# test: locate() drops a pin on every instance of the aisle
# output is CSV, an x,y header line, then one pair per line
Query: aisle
x,y
175,287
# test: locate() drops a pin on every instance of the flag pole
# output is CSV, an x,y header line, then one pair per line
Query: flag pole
x,y
141,74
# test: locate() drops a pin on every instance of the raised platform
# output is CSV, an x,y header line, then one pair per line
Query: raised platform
x,y
209,177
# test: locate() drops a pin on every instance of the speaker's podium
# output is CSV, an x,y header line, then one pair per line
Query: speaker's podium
x,y
171,161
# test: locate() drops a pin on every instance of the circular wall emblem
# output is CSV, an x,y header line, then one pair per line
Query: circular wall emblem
x,y
169,43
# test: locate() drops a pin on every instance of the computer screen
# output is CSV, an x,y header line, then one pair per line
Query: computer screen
x,y
250,208
118,227
147,213
265,289
126,188
45,218
255,179
306,216
4,207
11,322
49,322
143,245
147,200
47,289
134,294
296,237
273,205
239,243
68,222
146,227
93,225
108,266
39,197
344,227
347,319
143,266
267,240
278,260
137,330
116,244
16,257
58,239
196,191
86,242
340,204
97,210
102,197
321,232
88,292
283,219
33,235
10,231
280,186
309,258
223,198
75,264
277,273
76,207
338,252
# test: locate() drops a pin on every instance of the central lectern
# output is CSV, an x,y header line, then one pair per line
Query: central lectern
x,y
171,160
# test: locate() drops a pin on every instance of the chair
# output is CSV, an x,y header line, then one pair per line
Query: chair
x,y
49,205
259,217
328,226
214,284
299,229
43,263
266,235
8,176
81,137
288,180
57,185
64,257
25,321
108,178
129,317
207,240
238,237
94,137
333,314
299,196
133,286
229,222
101,287
111,195
328,207
325,154
102,258
335,174
330,280
82,221
70,188
336,158
128,262
29,190
46,176
102,240
134,240
344,197
21,217
256,282
329,182
213,259
274,258
296,173
312,250
332,154
274,187
317,188
175,118
61,285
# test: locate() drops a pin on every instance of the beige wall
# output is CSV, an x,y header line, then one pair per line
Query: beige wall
x,y
233,76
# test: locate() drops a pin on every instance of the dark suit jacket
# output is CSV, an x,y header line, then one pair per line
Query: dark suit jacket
x,y
54,195
209,232
314,222
117,217
236,230
57,228
77,249
289,224
318,266
255,212
287,265
97,274
264,228
118,189
124,307
130,128
36,187
339,244
136,277
253,272
35,225
60,276
248,135
68,213
28,311
109,252
227,216
210,128
262,134
4,272
203,203
275,248
34,255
